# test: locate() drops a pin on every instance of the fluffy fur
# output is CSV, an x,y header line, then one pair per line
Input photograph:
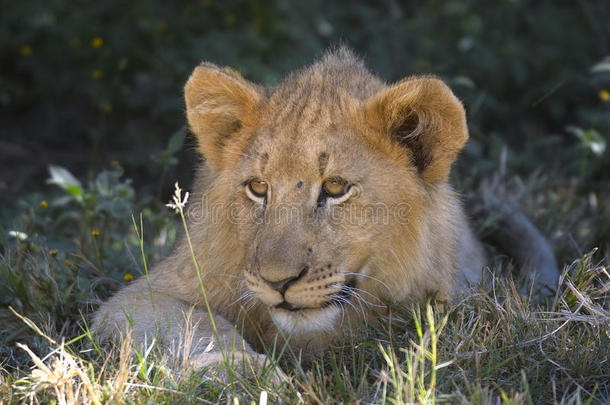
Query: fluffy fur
x,y
299,262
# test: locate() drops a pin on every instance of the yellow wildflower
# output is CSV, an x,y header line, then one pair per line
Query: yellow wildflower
x,y
97,74
25,50
53,252
97,42
44,204
604,95
128,277
95,232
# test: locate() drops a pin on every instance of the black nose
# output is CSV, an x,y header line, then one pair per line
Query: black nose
x,y
282,285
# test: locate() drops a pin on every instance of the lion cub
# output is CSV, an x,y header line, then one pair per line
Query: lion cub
x,y
319,200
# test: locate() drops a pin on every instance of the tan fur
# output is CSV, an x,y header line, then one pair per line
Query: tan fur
x,y
397,235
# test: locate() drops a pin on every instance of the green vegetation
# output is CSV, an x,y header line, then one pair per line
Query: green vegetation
x,y
97,88
494,345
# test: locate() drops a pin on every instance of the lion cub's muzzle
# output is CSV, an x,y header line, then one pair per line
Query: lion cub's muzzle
x,y
313,287
282,285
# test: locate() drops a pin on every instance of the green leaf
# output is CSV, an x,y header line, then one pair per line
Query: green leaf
x,y
61,177
594,141
601,67
590,139
177,140
464,81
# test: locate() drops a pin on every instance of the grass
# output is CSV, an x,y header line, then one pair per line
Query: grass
x,y
494,346
491,348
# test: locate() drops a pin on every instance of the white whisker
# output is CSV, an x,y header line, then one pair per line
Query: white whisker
x,y
357,292
245,294
369,277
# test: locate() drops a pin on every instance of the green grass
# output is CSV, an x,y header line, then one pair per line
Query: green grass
x,y
494,346
491,347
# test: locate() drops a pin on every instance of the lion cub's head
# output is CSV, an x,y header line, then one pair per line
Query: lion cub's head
x,y
334,183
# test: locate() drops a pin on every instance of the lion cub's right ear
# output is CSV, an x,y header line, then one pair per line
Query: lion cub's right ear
x,y
219,103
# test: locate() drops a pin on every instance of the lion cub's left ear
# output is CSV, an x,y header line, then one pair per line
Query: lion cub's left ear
x,y
422,115
219,103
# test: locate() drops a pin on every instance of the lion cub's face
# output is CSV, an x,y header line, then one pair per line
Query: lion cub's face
x,y
326,175
312,215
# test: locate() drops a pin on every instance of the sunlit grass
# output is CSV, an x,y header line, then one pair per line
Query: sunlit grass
x,y
492,348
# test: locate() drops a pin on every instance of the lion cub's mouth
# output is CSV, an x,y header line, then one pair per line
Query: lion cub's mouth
x,y
288,306
305,320
297,319
336,299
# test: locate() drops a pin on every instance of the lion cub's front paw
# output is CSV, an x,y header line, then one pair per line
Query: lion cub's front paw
x,y
242,364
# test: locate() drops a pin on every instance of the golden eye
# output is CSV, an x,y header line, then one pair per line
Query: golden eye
x,y
335,187
258,188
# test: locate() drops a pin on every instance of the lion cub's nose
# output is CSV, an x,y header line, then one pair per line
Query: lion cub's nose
x,y
282,285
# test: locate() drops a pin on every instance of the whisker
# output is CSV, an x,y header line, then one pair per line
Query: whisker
x,y
246,294
370,277
337,305
360,301
338,298
357,292
250,303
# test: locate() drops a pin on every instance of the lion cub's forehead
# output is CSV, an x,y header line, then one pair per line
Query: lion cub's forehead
x,y
305,121
303,109
308,154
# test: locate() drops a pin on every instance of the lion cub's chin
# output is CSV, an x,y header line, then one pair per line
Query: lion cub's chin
x,y
305,321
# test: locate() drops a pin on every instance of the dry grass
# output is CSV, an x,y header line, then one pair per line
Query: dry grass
x,y
498,345
494,347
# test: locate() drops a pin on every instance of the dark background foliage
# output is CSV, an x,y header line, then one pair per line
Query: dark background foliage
x,y
87,83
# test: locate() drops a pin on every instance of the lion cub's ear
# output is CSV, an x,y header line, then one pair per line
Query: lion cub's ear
x,y
425,117
219,103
